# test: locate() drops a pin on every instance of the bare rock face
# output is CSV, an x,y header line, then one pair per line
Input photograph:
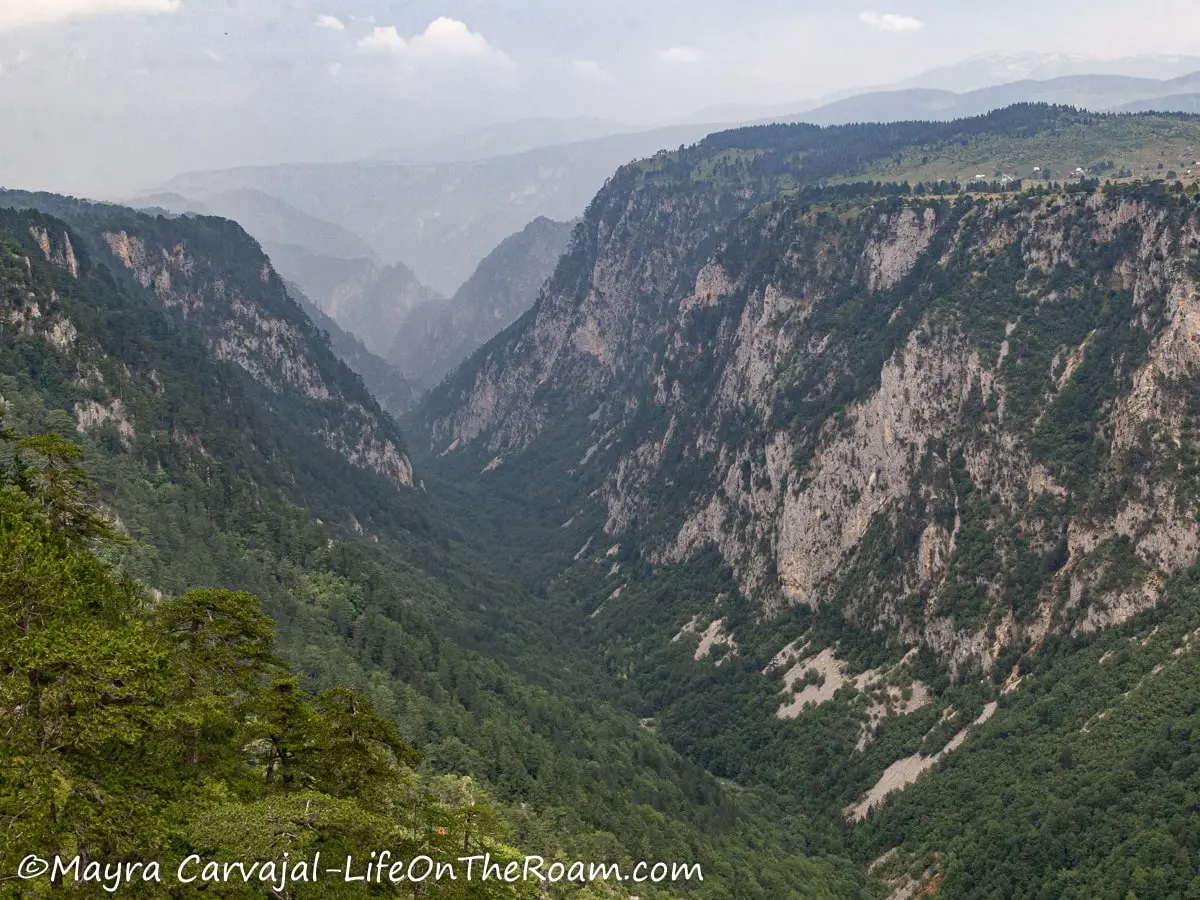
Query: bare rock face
x,y
890,407
243,313
867,468
90,415
271,349
897,243
60,254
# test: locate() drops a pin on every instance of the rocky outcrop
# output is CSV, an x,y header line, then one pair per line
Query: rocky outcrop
x,y
438,334
896,245
905,771
236,304
90,415
858,403
59,253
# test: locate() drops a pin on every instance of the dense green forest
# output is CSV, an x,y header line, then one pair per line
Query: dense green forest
x,y
598,486
224,635
370,588
140,731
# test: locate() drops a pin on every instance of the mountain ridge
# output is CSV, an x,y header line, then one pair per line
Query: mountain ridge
x,y
443,219
439,334
874,493
188,266
619,304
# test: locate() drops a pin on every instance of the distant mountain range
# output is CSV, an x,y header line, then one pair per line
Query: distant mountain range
x,y
369,300
1185,103
443,218
502,139
439,334
978,72
1102,93
993,69
273,222
378,245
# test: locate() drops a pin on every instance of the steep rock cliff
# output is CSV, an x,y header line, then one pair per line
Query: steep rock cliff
x,y
214,282
963,422
439,334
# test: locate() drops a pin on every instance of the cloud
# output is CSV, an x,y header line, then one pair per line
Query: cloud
x,y
444,40
26,13
383,39
333,23
589,70
334,68
890,22
451,39
681,55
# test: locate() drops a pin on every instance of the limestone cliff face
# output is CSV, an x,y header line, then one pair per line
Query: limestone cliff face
x,y
215,283
245,316
439,334
59,252
968,423
158,351
596,317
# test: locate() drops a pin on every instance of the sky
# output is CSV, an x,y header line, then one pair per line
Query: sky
x,y
110,97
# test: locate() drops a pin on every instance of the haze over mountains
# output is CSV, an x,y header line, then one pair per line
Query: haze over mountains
x,y
442,216
801,505
386,382
438,334
274,223
1098,92
396,332
568,432
990,70
501,139
385,247
441,220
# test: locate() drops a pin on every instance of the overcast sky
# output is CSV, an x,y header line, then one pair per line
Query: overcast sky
x,y
104,97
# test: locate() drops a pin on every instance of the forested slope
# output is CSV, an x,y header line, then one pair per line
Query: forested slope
x,y
216,471
838,480
840,537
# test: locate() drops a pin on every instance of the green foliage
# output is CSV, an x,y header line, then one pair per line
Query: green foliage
x,y
47,468
133,730
469,623
371,589
1095,802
